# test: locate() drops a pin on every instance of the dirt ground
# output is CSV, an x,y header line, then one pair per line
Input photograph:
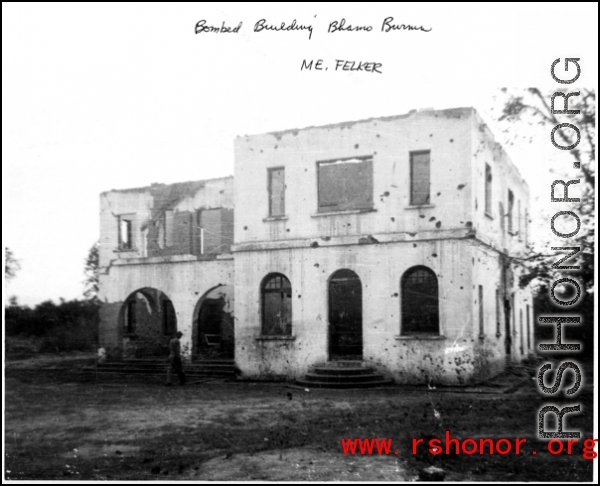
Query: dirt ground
x,y
60,425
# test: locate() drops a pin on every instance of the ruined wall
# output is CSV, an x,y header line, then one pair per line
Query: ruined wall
x,y
166,220
389,141
491,344
493,226
165,254
183,281
408,359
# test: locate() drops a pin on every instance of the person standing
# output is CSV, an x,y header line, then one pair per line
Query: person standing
x,y
175,362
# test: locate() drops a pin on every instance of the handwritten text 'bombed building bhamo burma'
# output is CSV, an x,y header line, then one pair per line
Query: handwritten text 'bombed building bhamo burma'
x,y
389,243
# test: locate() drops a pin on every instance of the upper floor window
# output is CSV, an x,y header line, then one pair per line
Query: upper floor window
x,y
214,231
488,190
519,219
125,233
420,178
345,184
511,203
276,192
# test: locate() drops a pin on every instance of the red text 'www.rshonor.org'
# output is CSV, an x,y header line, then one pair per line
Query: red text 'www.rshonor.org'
x,y
468,446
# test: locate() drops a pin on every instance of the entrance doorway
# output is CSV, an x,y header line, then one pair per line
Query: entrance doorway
x,y
345,316
213,324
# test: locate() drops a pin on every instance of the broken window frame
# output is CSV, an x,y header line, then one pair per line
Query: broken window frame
x,y
275,283
125,220
273,198
488,190
204,245
419,198
409,307
348,200
168,228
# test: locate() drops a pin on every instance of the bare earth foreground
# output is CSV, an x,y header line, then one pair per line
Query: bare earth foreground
x,y
62,425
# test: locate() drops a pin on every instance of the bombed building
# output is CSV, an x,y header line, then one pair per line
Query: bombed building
x,y
389,242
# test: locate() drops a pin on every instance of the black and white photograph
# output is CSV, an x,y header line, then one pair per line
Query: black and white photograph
x,y
299,242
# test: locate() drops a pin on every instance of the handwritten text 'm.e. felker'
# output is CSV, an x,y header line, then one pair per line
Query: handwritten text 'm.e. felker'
x,y
388,25
342,65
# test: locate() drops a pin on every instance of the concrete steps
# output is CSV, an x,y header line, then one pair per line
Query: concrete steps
x,y
158,367
343,374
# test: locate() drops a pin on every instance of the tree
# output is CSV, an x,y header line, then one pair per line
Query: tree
x,y
91,268
11,264
529,107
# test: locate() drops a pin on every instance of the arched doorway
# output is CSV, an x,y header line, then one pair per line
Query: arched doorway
x,y
345,316
148,322
213,324
420,301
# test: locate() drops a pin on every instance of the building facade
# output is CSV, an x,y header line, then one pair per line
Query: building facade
x,y
390,241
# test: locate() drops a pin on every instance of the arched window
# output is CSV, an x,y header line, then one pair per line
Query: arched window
x,y
420,303
276,292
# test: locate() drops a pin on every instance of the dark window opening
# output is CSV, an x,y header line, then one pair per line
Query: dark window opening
x,y
488,190
511,203
420,303
498,312
277,192
419,178
345,184
276,306
521,329
502,216
528,330
481,314
519,219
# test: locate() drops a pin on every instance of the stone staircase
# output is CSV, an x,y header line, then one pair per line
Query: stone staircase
x,y
157,368
343,374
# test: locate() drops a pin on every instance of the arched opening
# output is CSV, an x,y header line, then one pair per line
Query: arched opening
x,y
420,301
213,328
345,316
276,308
148,322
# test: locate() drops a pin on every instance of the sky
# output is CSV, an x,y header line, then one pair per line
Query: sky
x,y
110,96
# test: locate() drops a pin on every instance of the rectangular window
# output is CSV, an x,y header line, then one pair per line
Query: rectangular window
x,y
519,219
215,232
528,330
345,184
511,203
498,314
169,232
125,233
419,178
481,320
277,192
521,329
488,190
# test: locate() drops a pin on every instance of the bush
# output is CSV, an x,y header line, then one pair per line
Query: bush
x,y
68,326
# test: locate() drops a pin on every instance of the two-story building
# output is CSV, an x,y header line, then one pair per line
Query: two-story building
x,y
388,241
